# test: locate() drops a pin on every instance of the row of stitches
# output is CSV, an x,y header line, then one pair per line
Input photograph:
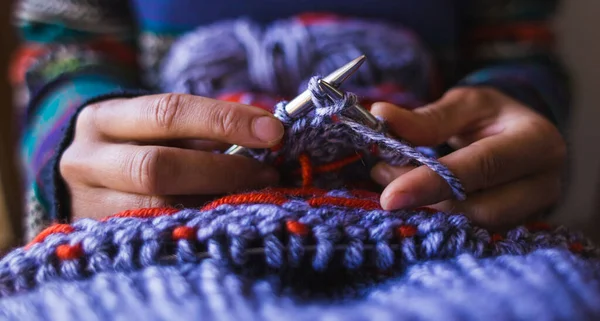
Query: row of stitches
x,y
283,234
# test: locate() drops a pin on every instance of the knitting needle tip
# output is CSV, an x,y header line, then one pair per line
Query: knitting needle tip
x,y
329,89
337,77
303,102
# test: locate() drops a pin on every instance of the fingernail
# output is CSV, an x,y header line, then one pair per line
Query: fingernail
x,y
394,201
267,129
382,174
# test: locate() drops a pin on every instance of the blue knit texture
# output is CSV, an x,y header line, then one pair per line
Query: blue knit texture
x,y
544,285
314,253
315,248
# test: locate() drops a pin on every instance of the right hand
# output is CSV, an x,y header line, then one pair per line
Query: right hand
x,y
155,151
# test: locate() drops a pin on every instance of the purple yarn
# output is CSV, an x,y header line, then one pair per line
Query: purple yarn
x,y
326,140
280,58
252,236
243,262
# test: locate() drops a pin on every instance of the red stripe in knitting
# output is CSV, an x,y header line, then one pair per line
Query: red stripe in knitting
x,y
144,213
404,231
53,229
307,170
69,252
183,233
296,227
345,202
250,198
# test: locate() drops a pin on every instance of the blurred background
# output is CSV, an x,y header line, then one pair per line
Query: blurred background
x,y
577,27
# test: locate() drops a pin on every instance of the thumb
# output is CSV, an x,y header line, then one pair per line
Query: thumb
x,y
433,124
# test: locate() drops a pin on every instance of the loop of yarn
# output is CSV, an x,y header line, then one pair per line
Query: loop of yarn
x,y
319,131
280,58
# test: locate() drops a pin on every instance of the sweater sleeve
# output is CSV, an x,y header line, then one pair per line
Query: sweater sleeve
x,y
71,52
509,45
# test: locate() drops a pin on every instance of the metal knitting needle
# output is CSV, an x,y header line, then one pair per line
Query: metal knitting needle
x,y
357,112
303,102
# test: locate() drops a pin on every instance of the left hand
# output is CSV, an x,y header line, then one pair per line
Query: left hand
x,y
508,157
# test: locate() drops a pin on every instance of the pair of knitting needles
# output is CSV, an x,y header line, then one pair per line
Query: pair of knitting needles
x,y
302,104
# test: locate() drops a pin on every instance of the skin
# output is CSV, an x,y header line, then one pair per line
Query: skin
x,y
154,151
508,157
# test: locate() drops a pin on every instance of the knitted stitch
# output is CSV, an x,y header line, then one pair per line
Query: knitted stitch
x,y
319,247
110,41
544,285
302,253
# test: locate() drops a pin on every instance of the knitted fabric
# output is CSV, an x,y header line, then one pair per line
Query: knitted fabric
x,y
318,247
74,51
302,253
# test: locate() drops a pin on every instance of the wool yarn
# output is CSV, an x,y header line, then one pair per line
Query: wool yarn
x,y
299,254
319,247
279,59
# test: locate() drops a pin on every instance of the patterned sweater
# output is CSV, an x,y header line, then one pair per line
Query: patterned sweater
x,y
75,51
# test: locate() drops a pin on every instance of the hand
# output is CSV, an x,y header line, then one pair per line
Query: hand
x,y
508,158
153,151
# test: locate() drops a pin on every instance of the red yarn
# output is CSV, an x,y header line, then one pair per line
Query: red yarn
x,y
334,166
53,229
405,231
296,227
538,226
427,210
576,247
69,252
345,202
497,237
144,213
183,233
250,198
307,170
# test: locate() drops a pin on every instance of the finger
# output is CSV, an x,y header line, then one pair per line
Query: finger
x,y
195,144
489,162
510,204
158,170
175,116
86,204
435,123
383,173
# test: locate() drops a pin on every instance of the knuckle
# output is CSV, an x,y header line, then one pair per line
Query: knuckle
x,y
488,164
556,147
71,163
143,170
227,121
86,119
165,110
471,95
